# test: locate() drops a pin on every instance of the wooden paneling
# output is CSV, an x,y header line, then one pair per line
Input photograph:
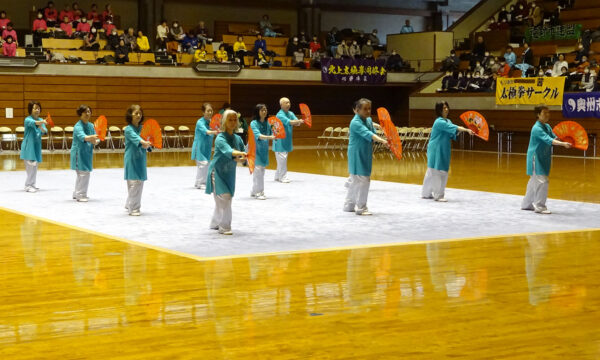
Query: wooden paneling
x,y
170,101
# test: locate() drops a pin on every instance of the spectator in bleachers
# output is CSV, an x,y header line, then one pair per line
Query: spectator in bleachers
x,y
580,53
354,50
122,52
91,41
177,33
77,14
406,29
375,40
108,27
565,4
303,40
66,12
478,69
558,65
536,15
95,17
588,80
113,41
367,50
504,69
259,43
343,50
494,65
295,51
266,28
221,55
447,81
66,27
142,42
239,50
516,19
9,48
130,39
503,15
492,25
510,57
190,42
478,52
4,20
332,41
200,54
162,35
526,60
394,62
503,25
51,14
9,31
39,29
83,27
486,59
107,14
261,59
314,46
202,33
451,63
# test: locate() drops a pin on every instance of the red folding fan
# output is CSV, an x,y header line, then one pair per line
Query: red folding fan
x,y
306,114
389,129
151,132
215,122
251,157
101,125
573,133
277,127
476,122
49,120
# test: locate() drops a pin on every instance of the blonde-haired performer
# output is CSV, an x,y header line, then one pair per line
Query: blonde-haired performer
x,y
282,147
135,159
539,161
229,148
82,152
360,158
202,146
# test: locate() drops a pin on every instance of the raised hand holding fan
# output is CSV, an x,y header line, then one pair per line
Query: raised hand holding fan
x,y
49,120
215,122
306,116
573,133
101,126
476,122
277,127
151,132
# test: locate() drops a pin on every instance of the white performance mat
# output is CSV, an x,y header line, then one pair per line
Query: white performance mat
x,y
304,214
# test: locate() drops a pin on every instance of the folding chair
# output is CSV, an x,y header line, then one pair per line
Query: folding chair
x,y
68,135
58,134
184,133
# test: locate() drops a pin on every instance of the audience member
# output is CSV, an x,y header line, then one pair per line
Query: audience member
x,y
9,48
94,17
4,20
190,42
504,69
200,54
558,65
354,50
83,27
510,57
367,50
91,41
406,29
332,41
107,14
39,29
130,40
122,52
162,35
202,33
526,60
113,41
266,28
451,63
9,31
66,13
142,42
343,51
239,50
221,55
51,14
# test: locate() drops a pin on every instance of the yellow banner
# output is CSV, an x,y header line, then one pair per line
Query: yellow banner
x,y
530,91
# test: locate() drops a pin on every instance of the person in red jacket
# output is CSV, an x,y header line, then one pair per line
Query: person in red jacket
x,y
9,48
107,14
51,14
94,17
504,68
9,31
108,27
314,45
4,20
66,12
77,13
39,27
67,27
83,27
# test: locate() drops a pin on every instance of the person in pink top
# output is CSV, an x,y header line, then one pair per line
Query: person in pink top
x,y
314,45
107,14
9,48
51,14
108,27
9,31
66,26
77,12
39,27
66,12
83,27
4,20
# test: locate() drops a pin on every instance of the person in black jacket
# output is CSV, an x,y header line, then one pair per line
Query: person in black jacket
x,y
478,52
526,60
122,53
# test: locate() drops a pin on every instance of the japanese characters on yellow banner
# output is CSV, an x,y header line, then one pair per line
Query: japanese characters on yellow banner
x,y
530,91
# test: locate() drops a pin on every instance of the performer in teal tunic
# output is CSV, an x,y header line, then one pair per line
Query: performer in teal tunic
x,y
282,147
135,159
82,152
360,158
202,146
229,148
31,148
262,134
438,153
539,161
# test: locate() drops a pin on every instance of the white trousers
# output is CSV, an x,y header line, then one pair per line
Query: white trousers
x,y
434,184
31,171
222,215
134,195
81,184
281,172
202,173
358,192
537,193
258,180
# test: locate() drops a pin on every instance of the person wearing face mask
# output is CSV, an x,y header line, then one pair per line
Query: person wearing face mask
x,y
354,50
478,69
31,147
9,48
108,27
9,31
526,60
39,29
536,15
510,57
91,41
580,53
503,25
492,24
445,82
50,14
94,17
588,80
130,39
177,32
374,39
516,18
4,20
83,28
122,52
367,50
503,15
66,27
558,65
162,34
112,42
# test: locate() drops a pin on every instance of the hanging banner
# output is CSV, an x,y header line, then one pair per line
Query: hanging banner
x,y
353,71
561,32
581,105
530,91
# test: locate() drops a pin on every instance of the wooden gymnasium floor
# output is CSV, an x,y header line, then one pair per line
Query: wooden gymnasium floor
x,y
68,294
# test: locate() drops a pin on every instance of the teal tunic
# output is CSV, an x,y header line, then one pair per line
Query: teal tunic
x,y
262,146
202,146
285,145
439,149
135,154
31,148
540,149
82,152
360,146
223,164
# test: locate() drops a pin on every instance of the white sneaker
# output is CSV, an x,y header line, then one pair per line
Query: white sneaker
x,y
364,213
31,189
441,200
261,197
285,180
225,232
543,211
83,199
135,213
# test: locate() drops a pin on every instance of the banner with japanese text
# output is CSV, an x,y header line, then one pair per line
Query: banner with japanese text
x,y
353,71
530,91
581,105
561,32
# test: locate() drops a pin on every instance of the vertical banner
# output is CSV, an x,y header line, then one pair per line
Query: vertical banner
x,y
581,105
530,91
353,71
